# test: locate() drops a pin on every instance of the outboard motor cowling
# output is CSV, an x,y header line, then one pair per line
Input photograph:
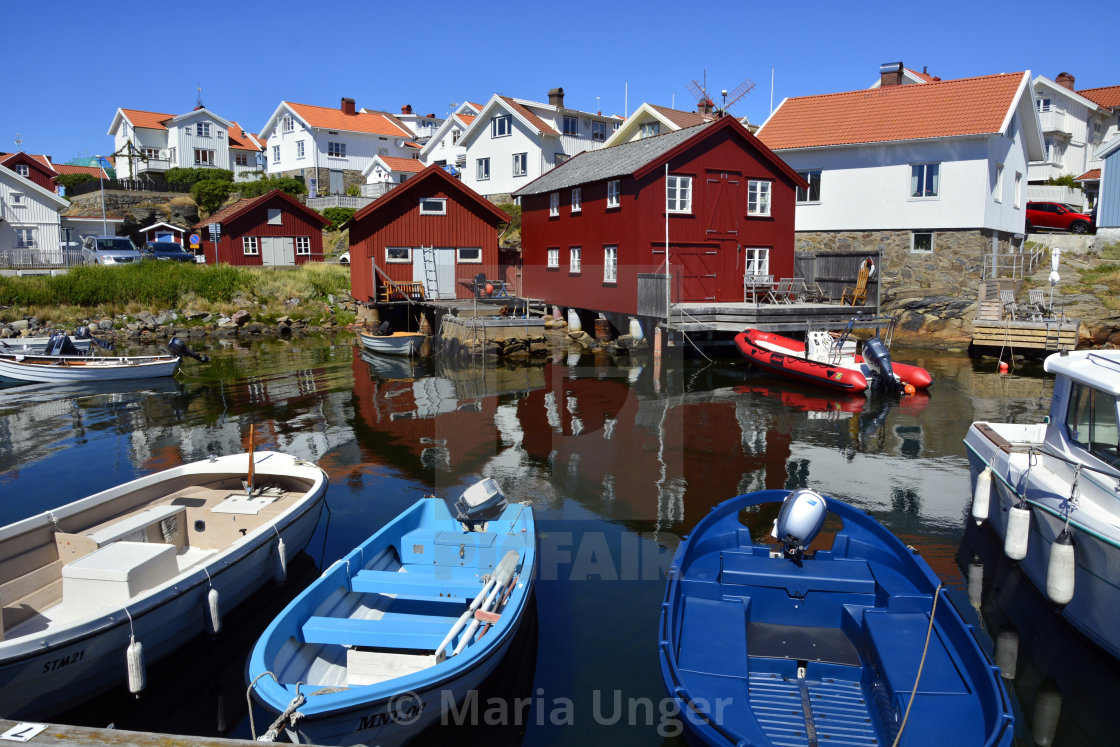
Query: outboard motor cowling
x,y
799,521
177,347
59,344
83,333
480,503
878,359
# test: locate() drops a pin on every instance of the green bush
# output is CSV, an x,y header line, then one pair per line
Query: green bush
x,y
337,216
1065,180
193,176
211,193
514,216
69,181
354,190
287,184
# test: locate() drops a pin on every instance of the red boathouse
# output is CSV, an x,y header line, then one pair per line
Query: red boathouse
x,y
274,229
721,199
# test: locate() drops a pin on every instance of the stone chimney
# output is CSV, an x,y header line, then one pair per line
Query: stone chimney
x,y
406,109
890,74
705,106
556,98
1065,79
347,106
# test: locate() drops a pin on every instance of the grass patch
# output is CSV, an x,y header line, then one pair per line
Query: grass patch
x,y
1110,251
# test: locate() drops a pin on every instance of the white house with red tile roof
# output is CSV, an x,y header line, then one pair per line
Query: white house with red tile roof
x,y
513,141
386,172
443,147
1108,99
331,148
146,143
927,173
422,126
29,221
650,120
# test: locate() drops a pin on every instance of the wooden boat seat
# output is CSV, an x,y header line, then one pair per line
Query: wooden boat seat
x,y
838,575
897,640
413,585
135,524
400,631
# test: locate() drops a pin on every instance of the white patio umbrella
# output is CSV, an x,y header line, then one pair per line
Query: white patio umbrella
x,y
1055,254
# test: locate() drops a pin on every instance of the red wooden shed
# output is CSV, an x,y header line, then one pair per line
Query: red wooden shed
x,y
273,229
34,167
433,231
721,199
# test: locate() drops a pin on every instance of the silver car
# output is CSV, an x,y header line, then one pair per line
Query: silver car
x,y
109,250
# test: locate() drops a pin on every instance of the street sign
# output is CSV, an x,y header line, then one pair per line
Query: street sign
x,y
195,239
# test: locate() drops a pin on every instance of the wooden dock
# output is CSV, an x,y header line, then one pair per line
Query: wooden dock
x,y
770,317
1046,336
60,734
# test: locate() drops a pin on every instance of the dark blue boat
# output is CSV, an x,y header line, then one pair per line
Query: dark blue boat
x,y
773,645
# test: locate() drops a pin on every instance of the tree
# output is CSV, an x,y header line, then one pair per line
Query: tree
x,y
287,184
337,216
188,177
69,181
211,193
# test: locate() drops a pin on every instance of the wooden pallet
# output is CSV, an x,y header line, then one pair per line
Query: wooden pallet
x,y
1026,335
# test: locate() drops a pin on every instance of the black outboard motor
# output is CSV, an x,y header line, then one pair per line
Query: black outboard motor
x,y
59,344
878,359
480,503
384,329
83,333
177,347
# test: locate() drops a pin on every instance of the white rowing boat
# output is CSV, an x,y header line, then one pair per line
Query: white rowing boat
x,y
71,369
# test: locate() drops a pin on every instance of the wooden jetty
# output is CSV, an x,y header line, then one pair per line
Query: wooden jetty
x,y
1003,323
60,734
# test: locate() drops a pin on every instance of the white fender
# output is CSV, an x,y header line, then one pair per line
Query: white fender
x,y
1007,653
1018,532
975,583
982,496
1061,570
280,569
137,675
574,324
213,612
1047,710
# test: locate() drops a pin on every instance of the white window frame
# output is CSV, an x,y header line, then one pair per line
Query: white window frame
x,y
16,199
614,193
464,259
401,260
382,150
577,199
482,169
275,217
240,159
171,151
276,154
433,206
303,246
202,129
649,129
336,149
1043,105
199,158
1018,190
758,198
23,169
250,247
756,260
520,164
575,259
300,149
553,254
806,196
598,131
678,194
570,125
914,242
919,175
997,188
501,126
25,237
289,123
610,263
553,204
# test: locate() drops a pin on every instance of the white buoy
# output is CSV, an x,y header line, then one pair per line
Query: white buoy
x,y
1007,652
137,675
1061,569
975,583
213,612
280,571
636,329
1047,711
1018,532
574,324
982,495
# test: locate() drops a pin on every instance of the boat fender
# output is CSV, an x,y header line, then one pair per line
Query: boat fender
x,y
975,583
1047,710
1018,532
1061,569
1007,653
137,675
981,495
870,265
280,571
213,612
574,323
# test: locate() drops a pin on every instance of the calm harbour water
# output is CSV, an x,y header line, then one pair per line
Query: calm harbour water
x,y
619,458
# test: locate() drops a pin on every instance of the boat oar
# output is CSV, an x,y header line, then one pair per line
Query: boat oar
x,y
463,618
502,576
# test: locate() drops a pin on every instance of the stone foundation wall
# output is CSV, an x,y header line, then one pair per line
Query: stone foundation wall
x,y
350,177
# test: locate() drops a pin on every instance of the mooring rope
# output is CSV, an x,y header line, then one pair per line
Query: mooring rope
x,y
921,664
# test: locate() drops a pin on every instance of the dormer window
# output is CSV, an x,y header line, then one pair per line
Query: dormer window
x,y
203,129
289,125
23,169
571,125
649,129
500,126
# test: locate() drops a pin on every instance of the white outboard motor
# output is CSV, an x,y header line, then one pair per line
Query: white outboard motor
x,y
878,359
799,521
480,503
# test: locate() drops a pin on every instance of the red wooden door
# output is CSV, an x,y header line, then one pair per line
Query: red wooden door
x,y
722,195
696,273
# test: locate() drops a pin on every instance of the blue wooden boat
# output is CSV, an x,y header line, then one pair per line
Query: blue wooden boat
x,y
825,648
400,629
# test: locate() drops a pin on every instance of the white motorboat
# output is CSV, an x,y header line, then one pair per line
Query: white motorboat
x,y
80,369
397,343
94,589
1050,491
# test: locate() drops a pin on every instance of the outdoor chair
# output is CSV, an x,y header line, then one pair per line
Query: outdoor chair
x,y
814,292
756,287
1037,304
1008,304
780,292
798,290
858,294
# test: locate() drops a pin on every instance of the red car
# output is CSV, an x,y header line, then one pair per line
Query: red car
x,y
1055,215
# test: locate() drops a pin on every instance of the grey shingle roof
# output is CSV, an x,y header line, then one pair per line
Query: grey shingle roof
x,y
607,163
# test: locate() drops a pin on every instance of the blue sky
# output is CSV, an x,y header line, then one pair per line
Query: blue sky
x,y
79,61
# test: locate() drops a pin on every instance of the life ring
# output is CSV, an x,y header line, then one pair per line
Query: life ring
x,y
869,265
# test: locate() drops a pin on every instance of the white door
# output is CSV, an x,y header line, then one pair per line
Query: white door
x,y
278,250
442,262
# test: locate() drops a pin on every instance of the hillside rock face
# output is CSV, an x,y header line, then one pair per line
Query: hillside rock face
x,y
139,209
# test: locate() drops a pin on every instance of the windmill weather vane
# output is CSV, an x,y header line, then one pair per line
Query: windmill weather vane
x,y
701,93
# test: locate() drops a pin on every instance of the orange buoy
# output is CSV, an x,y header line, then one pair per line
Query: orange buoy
x,y
489,288
1003,366
909,389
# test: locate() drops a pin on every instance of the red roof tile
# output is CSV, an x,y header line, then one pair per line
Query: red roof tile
x,y
396,163
968,106
1088,176
65,168
42,160
533,119
374,123
466,118
149,120
1108,96
239,139
246,203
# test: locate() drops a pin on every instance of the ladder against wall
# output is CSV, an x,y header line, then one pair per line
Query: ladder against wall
x,y
431,278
